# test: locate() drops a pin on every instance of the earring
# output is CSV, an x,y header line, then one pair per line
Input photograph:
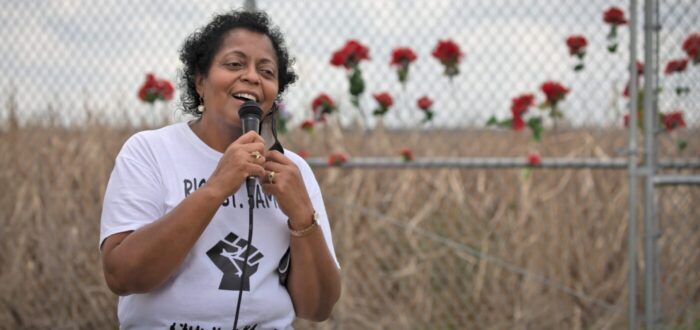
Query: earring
x,y
200,107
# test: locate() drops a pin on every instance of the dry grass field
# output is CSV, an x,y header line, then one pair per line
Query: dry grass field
x,y
419,248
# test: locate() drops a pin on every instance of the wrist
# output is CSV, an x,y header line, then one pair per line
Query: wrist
x,y
303,228
212,192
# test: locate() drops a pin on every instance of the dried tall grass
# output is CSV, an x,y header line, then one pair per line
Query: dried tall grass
x,y
538,233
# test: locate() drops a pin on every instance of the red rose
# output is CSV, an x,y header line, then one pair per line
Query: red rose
x,y
691,46
640,69
385,102
350,55
307,125
518,108
148,91
676,66
402,56
673,120
424,103
447,51
384,99
166,90
626,119
406,154
154,89
521,103
518,123
337,159
576,44
321,106
534,159
614,16
554,91
449,54
338,58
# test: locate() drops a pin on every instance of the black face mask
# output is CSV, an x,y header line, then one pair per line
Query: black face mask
x,y
268,130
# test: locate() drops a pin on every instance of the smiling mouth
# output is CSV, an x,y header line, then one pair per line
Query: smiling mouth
x,y
245,97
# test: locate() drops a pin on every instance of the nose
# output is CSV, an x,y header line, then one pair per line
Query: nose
x,y
251,75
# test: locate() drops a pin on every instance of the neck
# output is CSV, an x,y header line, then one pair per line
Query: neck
x,y
216,135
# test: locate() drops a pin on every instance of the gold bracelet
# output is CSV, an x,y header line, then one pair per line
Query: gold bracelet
x,y
304,231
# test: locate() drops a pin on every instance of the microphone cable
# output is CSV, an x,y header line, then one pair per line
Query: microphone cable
x,y
247,253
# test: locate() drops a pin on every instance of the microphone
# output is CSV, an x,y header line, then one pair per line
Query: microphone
x,y
250,115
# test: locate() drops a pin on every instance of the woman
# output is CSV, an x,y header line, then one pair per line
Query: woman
x,y
175,217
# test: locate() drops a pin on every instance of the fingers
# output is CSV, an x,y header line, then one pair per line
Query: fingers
x,y
250,137
279,174
255,151
276,156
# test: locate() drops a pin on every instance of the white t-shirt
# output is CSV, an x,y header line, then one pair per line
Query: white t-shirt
x,y
153,173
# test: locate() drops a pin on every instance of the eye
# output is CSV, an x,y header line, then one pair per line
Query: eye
x,y
234,65
268,73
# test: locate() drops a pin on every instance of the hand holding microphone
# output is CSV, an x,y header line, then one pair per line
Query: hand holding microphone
x,y
244,158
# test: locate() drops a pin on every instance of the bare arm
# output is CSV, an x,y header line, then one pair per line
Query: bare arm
x,y
140,261
314,279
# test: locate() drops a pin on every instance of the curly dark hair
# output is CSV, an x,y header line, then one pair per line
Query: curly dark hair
x,y
200,47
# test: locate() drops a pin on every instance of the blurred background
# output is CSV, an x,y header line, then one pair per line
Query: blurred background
x,y
446,216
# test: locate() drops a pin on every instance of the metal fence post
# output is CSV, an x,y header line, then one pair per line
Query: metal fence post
x,y
649,168
632,173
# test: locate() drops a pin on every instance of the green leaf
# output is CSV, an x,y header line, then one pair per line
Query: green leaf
x,y
403,74
492,121
535,124
578,67
357,84
380,111
508,123
681,144
612,48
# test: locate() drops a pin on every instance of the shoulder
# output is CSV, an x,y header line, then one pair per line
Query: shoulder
x,y
145,143
149,137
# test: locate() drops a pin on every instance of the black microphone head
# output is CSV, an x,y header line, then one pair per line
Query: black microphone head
x,y
250,108
250,115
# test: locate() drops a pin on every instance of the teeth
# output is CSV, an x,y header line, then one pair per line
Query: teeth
x,y
246,96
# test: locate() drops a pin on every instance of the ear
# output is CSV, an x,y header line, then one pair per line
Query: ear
x,y
199,84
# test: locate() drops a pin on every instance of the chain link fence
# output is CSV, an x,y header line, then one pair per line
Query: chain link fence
x,y
678,243
73,57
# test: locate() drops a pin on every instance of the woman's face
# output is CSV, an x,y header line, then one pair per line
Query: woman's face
x,y
244,68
